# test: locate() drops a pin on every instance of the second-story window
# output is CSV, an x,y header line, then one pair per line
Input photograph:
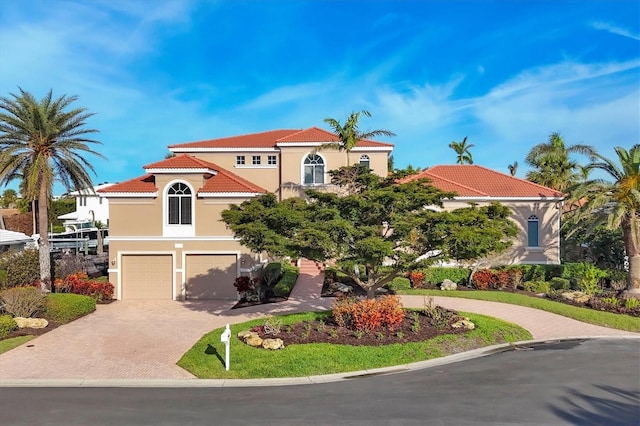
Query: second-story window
x,y
255,160
533,229
313,170
272,160
240,160
179,203
364,161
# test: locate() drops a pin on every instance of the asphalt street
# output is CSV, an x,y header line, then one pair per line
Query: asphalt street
x,y
586,382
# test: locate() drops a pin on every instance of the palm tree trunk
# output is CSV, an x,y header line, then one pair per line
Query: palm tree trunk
x,y
43,243
633,253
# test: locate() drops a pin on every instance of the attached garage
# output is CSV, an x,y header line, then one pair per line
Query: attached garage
x,y
147,277
211,276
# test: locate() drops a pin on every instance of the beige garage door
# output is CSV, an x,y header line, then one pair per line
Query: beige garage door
x,y
211,276
147,277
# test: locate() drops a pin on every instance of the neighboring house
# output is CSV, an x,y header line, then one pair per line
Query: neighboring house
x,y
14,240
90,206
536,209
167,239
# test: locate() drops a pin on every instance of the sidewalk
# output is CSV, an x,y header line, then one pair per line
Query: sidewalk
x,y
128,343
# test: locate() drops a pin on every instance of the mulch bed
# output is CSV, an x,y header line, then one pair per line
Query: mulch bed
x,y
412,329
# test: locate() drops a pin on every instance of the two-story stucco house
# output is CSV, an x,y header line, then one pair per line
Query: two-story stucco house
x,y
166,237
536,209
90,206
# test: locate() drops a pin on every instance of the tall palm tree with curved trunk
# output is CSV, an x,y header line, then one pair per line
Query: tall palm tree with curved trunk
x,y
42,141
348,135
552,165
615,203
462,150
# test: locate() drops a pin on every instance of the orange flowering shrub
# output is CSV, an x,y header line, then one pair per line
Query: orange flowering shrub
x,y
79,283
368,314
416,278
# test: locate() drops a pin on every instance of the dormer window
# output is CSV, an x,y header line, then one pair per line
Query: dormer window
x,y
313,170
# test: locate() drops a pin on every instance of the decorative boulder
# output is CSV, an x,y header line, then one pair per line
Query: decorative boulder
x,y
253,340
246,333
448,285
465,323
31,322
382,290
273,344
576,296
344,288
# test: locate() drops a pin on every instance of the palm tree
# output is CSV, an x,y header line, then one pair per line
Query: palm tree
x,y
42,141
552,166
462,149
615,204
349,135
513,168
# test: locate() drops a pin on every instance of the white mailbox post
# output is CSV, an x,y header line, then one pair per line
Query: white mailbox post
x,y
226,339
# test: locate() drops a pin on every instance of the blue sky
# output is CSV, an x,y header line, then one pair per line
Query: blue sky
x,y
503,73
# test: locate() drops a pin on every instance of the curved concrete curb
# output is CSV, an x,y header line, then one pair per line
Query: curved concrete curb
x,y
306,380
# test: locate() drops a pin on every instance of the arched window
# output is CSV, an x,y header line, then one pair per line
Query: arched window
x,y
533,231
179,204
364,161
313,170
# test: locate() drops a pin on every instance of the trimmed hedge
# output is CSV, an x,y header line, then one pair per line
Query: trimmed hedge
x,y
437,275
66,307
399,283
287,282
7,325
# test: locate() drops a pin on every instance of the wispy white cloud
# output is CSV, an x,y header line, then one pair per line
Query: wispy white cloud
x,y
615,29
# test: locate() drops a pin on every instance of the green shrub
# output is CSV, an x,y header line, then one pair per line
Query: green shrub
x,y
535,273
66,307
537,286
3,278
588,278
287,282
271,273
22,267
7,325
558,283
631,303
617,279
438,275
399,283
22,301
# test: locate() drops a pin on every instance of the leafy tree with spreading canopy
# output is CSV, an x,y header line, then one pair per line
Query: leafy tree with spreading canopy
x,y
42,141
348,135
552,165
9,199
615,203
373,234
462,150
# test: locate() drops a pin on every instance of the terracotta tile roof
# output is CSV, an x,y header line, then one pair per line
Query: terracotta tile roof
x,y
220,180
470,180
253,140
271,138
141,184
314,134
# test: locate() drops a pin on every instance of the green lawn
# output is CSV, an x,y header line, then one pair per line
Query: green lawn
x,y
591,316
206,358
14,342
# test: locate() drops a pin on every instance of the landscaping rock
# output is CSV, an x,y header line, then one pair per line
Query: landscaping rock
x,y
253,340
448,285
246,333
576,296
273,344
344,288
382,290
31,322
465,323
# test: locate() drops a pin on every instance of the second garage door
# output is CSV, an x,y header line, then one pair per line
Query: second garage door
x,y
211,276
147,277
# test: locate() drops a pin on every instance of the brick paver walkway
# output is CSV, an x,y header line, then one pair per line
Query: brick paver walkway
x,y
145,339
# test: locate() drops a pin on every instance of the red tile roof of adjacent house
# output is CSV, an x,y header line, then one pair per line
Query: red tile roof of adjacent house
x,y
141,184
470,180
220,180
273,138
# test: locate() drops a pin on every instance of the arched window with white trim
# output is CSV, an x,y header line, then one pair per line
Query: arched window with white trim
x,y
365,161
179,204
533,231
313,170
